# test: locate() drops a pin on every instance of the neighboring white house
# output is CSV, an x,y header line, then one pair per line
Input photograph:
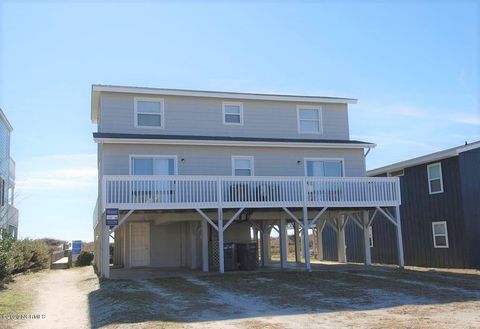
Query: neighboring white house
x,y
8,212
190,170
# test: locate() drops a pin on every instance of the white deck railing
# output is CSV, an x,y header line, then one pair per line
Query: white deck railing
x,y
188,192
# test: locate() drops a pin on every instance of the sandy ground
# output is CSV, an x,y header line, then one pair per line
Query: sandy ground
x,y
373,298
62,299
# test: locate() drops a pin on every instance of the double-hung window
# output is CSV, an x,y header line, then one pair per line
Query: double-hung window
x,y
440,234
149,112
242,166
435,180
309,120
232,113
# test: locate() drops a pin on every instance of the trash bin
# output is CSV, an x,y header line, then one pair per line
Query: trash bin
x,y
247,256
230,256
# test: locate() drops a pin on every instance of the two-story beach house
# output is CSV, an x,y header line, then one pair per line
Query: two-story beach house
x,y
191,170
8,212
440,209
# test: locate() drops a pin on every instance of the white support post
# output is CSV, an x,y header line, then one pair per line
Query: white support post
x,y
401,261
265,245
298,250
283,243
255,234
301,245
193,245
105,249
221,264
366,238
306,246
320,225
341,247
204,245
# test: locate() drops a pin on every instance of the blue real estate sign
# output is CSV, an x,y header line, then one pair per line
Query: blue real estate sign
x,y
76,247
112,215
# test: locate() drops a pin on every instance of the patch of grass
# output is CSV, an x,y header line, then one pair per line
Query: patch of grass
x,y
181,286
191,299
15,301
17,298
160,303
342,290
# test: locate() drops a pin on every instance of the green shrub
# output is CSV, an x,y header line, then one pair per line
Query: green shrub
x,y
7,247
30,255
84,259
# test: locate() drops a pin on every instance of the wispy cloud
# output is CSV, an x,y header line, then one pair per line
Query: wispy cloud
x,y
57,172
465,118
409,111
67,157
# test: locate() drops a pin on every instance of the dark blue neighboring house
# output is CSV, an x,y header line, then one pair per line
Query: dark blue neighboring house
x,y
440,211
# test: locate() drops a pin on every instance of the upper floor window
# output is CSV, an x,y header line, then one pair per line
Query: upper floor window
x,y
309,120
435,180
440,234
232,113
324,168
153,165
396,173
149,112
242,166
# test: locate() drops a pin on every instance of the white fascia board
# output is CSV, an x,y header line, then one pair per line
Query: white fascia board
x,y
468,147
97,89
229,143
414,162
437,156
5,120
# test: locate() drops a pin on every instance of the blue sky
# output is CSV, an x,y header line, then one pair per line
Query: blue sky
x,y
414,67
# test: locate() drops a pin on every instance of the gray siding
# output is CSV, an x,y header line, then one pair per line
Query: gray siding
x,y
216,160
469,163
418,210
203,116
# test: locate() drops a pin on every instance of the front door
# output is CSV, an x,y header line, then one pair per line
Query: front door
x,y
140,244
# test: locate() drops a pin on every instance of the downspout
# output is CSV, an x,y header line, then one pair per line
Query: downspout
x,y
368,151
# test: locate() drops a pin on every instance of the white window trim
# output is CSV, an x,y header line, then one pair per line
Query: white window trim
x,y
149,99
243,157
152,156
430,179
241,113
320,118
434,235
323,159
